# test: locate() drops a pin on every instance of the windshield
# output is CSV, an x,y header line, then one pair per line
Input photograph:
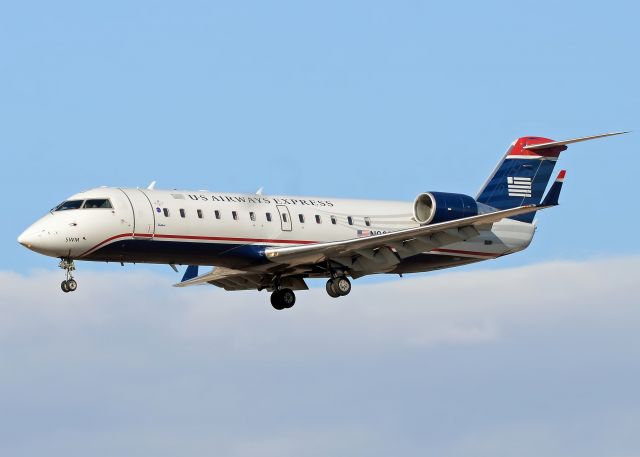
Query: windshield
x,y
69,204
97,203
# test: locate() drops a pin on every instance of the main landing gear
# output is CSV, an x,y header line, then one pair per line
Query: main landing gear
x,y
69,284
283,299
338,287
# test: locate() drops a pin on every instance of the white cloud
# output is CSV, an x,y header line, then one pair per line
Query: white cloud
x,y
450,363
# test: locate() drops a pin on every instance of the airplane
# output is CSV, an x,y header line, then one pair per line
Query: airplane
x,y
276,243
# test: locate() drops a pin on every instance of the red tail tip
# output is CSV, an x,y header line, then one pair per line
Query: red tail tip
x,y
561,175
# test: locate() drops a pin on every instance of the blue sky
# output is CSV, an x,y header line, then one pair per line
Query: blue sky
x,y
355,99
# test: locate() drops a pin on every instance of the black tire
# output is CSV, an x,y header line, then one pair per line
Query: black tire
x,y
276,300
72,285
64,286
287,297
342,286
330,290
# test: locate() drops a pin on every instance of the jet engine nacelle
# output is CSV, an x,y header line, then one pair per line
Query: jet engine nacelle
x,y
434,207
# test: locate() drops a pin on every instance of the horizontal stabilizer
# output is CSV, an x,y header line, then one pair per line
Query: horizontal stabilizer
x,y
554,144
552,197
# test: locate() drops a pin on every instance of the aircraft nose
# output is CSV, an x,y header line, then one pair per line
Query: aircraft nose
x,y
24,239
38,239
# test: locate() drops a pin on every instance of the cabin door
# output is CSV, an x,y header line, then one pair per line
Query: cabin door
x,y
144,219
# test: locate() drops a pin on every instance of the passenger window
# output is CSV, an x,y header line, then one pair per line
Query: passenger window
x,y
367,222
183,213
217,214
70,204
252,216
334,220
234,214
318,219
349,220
199,213
268,217
166,212
97,203
301,217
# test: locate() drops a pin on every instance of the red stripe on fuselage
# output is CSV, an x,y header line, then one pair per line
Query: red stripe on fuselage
x,y
122,235
253,240
197,238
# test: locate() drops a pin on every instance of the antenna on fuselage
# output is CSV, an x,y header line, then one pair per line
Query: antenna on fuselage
x,y
151,186
259,191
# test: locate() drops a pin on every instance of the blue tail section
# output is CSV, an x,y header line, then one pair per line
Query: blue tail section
x,y
522,176
190,273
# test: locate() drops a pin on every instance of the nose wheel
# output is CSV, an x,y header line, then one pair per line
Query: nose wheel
x,y
69,284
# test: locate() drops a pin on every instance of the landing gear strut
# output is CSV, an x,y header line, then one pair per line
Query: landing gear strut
x,y
283,298
69,284
338,287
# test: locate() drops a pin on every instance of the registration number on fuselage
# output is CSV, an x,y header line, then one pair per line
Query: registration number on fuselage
x,y
371,232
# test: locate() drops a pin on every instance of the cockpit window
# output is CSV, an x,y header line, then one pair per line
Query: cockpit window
x,y
69,204
97,203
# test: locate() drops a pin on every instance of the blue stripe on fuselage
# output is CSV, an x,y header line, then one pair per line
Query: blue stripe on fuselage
x,y
181,253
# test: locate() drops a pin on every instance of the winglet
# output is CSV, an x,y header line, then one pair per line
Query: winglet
x,y
190,273
551,199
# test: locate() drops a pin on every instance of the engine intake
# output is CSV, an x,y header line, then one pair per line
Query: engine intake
x,y
434,207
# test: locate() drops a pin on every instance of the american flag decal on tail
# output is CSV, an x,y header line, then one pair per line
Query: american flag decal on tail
x,y
519,187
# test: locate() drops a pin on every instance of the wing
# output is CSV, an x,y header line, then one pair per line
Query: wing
x,y
230,279
362,256
382,252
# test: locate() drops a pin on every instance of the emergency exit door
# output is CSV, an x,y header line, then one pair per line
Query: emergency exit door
x,y
285,218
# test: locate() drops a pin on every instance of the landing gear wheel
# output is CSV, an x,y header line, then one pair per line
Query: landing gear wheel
x,y
282,299
342,286
288,297
276,302
330,289
69,284
72,285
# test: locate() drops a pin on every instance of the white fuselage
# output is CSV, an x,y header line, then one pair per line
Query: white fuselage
x,y
232,230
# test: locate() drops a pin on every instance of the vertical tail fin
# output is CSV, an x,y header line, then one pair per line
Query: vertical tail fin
x,y
522,175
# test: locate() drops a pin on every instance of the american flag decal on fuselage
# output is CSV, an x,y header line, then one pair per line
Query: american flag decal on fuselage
x,y
519,187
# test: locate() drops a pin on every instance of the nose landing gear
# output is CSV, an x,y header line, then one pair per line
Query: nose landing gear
x,y
69,284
